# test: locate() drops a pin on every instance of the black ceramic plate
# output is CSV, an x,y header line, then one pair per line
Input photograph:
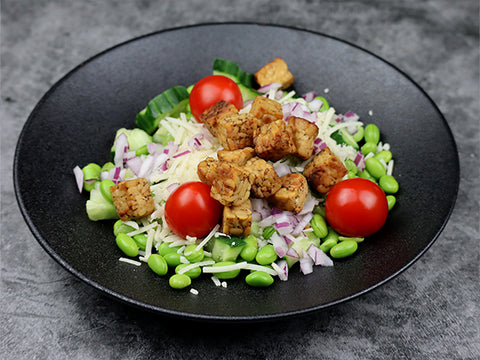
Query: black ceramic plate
x,y
74,124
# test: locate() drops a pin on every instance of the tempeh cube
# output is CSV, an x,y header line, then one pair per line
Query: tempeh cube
x,y
237,219
292,194
304,135
275,71
132,199
274,141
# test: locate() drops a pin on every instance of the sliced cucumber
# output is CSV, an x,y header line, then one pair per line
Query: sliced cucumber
x,y
227,248
342,136
232,70
169,103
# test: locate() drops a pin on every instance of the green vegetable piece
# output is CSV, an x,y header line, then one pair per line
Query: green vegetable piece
x,y
342,136
179,281
319,226
91,171
259,279
372,134
173,259
141,240
169,103
225,275
325,105
193,255
227,248
99,208
268,232
351,167
388,184
358,136
192,273
266,255
105,186
127,245
375,167
343,249
384,155
108,166
121,227
143,150
249,251
162,136
232,70
366,175
158,264
368,147
136,138
357,239
247,93
328,244
165,249
391,200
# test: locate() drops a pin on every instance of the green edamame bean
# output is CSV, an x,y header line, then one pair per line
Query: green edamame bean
x,y
384,155
332,234
249,250
193,255
141,240
319,226
268,232
259,279
179,281
388,184
368,148
107,166
91,171
266,255
165,248
372,134
127,244
121,227
158,264
358,136
105,186
327,245
356,239
391,200
343,249
366,175
226,274
375,167
172,259
350,166
192,273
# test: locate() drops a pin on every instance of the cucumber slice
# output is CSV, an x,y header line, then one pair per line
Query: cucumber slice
x,y
169,103
232,70
342,136
247,93
227,248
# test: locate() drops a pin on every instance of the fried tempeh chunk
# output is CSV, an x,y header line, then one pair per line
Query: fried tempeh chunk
x,y
292,194
324,171
239,157
132,199
235,131
266,110
237,219
206,170
304,134
231,185
211,116
263,178
274,141
275,71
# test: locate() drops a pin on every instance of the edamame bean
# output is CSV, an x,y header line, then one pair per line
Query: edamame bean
x,y
358,136
384,155
179,281
327,245
193,255
105,186
319,226
141,240
368,148
165,248
127,244
121,227
372,134
375,167
391,200
158,264
351,167
192,273
343,249
366,175
108,166
259,279
91,171
332,234
356,239
226,274
250,249
172,259
388,184
266,255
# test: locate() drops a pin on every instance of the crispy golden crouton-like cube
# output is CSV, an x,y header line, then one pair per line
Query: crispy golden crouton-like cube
x,y
206,170
237,219
324,171
304,135
239,157
235,131
266,110
230,185
265,181
132,199
274,141
275,71
211,116
292,194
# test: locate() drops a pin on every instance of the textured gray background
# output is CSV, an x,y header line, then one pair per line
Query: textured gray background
x,y
428,312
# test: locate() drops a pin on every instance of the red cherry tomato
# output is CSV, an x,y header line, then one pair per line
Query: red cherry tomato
x,y
211,89
190,210
356,207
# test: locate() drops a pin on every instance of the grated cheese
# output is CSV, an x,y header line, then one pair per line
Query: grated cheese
x,y
130,261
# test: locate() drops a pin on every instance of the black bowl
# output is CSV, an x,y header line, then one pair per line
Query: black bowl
x,y
75,122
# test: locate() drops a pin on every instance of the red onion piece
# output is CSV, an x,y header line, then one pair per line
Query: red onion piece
x,y
292,253
306,263
266,88
360,161
121,146
318,256
78,177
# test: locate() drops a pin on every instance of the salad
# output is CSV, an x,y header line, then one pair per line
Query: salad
x,y
240,176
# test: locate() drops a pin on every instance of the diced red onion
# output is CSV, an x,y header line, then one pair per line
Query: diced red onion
x,y
146,167
276,211
181,154
280,251
78,177
306,263
160,160
281,268
116,174
151,148
135,164
289,238
308,206
266,88
360,161
309,96
315,105
121,146
302,223
282,169
318,256
292,253
268,221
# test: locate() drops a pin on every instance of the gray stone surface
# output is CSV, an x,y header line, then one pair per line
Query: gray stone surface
x,y
428,312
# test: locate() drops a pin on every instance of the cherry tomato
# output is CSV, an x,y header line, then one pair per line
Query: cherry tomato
x,y
211,89
190,210
356,207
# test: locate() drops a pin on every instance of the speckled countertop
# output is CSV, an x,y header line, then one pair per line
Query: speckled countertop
x,y
428,312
